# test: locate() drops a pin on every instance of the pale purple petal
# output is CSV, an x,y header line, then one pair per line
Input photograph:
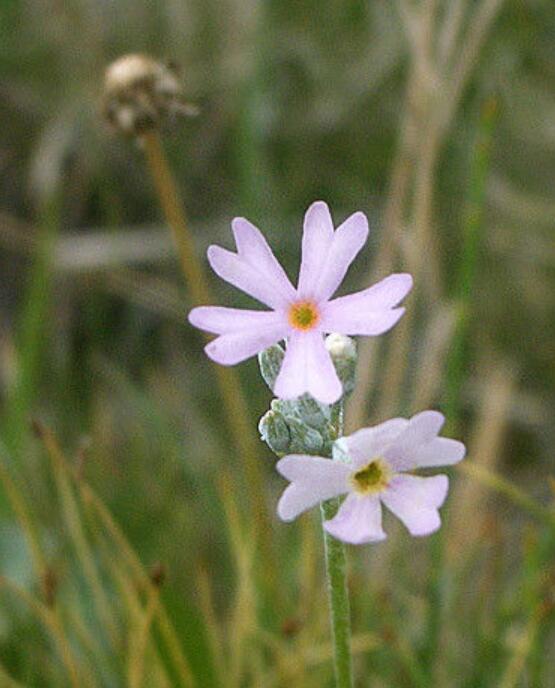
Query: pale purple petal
x,y
358,520
221,320
309,468
307,367
441,451
369,312
348,239
369,443
229,349
353,321
422,429
234,269
291,380
317,239
322,380
415,501
254,250
314,480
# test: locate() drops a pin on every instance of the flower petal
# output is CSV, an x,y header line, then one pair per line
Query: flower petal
x,y
254,249
317,239
358,520
235,269
322,380
348,239
369,312
415,501
354,321
232,348
221,320
291,380
441,451
307,367
314,480
368,443
421,429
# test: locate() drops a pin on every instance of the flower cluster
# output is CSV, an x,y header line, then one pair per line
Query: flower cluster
x,y
371,466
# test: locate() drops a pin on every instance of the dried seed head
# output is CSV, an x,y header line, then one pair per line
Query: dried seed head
x,y
141,94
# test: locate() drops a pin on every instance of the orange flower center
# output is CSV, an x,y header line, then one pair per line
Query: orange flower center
x,y
304,315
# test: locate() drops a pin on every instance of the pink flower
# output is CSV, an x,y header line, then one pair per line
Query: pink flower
x,y
370,468
302,315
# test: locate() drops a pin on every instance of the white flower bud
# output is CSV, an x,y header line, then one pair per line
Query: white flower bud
x,y
343,352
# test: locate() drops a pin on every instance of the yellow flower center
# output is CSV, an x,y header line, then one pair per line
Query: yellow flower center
x,y
371,479
304,315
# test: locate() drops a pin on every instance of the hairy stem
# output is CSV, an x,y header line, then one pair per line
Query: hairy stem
x,y
340,615
336,569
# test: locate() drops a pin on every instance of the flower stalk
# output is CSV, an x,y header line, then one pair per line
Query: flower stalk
x,y
306,426
338,594
340,613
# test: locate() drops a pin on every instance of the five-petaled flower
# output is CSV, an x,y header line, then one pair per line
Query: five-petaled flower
x,y
303,315
370,467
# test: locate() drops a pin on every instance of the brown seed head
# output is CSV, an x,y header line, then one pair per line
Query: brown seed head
x,y
141,94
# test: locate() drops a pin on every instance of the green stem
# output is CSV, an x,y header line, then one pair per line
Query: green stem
x,y
336,569
340,615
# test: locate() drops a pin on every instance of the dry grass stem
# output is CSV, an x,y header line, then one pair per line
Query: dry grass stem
x,y
427,114
236,407
72,519
433,353
76,674
484,451
25,519
213,626
522,648
128,554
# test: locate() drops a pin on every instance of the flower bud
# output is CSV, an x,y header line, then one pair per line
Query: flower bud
x,y
304,439
274,431
141,94
344,356
270,361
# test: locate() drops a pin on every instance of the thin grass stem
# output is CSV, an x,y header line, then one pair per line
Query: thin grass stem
x,y
85,556
75,672
26,522
236,407
140,641
129,555
505,487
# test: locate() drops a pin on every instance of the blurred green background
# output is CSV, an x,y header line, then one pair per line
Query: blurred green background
x,y
436,118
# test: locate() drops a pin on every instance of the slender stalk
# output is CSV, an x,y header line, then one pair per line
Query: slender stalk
x,y
51,622
101,515
498,484
23,515
473,237
340,615
74,525
336,569
31,331
236,407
